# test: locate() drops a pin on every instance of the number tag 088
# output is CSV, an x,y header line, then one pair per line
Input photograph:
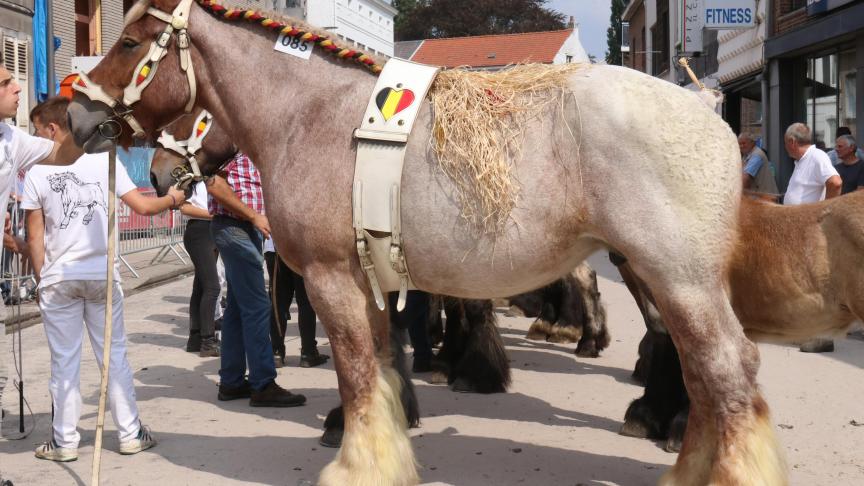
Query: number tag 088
x,y
294,46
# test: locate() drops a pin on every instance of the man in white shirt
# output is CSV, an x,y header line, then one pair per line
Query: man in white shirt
x,y
67,227
18,152
814,178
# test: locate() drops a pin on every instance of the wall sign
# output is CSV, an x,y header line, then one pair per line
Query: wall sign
x,y
729,14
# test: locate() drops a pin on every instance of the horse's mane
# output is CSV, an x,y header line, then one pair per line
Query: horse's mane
x,y
140,9
62,176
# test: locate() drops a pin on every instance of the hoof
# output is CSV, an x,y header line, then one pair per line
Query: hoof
x,y
514,311
634,428
641,421
564,334
676,432
438,378
587,348
539,331
461,385
818,345
332,438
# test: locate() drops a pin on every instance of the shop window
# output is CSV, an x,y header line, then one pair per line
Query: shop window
x,y
830,93
86,28
821,91
660,39
847,78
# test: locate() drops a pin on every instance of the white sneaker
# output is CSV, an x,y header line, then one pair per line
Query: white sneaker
x,y
142,442
50,451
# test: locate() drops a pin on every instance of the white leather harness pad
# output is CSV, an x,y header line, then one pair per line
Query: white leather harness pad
x,y
381,142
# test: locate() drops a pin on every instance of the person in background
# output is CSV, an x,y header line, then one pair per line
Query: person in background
x,y
832,154
67,227
814,179
18,152
239,227
758,175
205,286
851,165
284,285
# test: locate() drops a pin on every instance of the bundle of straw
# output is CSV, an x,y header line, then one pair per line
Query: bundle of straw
x,y
478,132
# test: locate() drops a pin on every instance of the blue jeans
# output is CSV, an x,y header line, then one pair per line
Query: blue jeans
x,y
246,323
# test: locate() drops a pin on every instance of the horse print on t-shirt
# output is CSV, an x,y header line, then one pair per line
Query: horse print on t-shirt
x,y
74,194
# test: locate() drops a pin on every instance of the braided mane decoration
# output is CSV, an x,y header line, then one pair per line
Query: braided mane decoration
x,y
322,40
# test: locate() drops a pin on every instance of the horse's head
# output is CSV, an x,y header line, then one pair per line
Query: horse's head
x,y
144,82
56,182
189,149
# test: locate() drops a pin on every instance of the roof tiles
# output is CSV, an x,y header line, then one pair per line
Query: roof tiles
x,y
492,50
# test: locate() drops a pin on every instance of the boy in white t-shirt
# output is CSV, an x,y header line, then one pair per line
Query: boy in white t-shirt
x,y
19,151
67,227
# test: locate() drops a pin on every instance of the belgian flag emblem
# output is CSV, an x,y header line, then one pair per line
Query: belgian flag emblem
x,y
391,101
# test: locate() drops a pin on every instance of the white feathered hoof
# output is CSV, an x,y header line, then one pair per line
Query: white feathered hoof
x,y
376,450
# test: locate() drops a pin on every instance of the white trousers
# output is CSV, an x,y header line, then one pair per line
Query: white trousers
x,y
67,308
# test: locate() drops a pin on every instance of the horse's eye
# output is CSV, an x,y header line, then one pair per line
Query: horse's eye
x,y
129,43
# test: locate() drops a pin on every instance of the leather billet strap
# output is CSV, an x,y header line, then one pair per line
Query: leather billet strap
x,y
188,149
146,69
382,139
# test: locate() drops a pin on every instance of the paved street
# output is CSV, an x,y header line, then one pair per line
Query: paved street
x,y
557,425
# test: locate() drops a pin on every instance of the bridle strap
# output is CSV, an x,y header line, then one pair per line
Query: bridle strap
x,y
188,148
146,69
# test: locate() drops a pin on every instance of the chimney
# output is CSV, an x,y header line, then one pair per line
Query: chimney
x,y
572,23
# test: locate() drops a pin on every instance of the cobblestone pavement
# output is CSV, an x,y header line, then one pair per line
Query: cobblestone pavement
x,y
557,425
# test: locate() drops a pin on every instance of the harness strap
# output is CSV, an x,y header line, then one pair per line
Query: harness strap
x,y
188,148
146,69
363,246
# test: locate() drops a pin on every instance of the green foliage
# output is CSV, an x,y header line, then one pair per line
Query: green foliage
x,y
426,19
613,33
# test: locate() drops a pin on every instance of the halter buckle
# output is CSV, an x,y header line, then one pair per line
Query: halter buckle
x,y
163,39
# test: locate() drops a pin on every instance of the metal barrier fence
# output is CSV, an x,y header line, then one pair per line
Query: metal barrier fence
x,y
137,233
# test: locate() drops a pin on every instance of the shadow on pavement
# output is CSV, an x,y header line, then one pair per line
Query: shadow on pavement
x,y
481,460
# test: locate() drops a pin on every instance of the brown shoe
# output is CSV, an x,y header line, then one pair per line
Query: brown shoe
x,y
274,395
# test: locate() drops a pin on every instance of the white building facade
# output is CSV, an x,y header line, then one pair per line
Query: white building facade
x,y
363,24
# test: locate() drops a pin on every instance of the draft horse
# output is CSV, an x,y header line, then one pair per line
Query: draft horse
x,y
626,162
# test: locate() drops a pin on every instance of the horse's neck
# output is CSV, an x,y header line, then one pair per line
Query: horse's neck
x,y
273,104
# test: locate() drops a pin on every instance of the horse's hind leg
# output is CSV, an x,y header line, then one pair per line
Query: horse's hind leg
x,y
595,334
483,366
729,438
375,449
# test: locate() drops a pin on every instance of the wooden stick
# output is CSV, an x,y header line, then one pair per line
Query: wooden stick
x,y
109,314
685,63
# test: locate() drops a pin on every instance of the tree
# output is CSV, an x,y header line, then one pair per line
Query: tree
x,y
613,33
406,9
426,19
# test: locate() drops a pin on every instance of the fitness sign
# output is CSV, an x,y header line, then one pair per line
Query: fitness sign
x,y
697,15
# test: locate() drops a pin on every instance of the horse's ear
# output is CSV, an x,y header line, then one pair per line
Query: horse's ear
x,y
136,11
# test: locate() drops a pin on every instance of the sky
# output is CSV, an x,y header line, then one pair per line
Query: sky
x,y
592,16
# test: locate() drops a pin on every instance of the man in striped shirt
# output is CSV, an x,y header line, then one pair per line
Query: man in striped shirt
x,y
239,227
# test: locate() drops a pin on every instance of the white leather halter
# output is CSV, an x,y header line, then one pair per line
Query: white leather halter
x,y
189,172
144,73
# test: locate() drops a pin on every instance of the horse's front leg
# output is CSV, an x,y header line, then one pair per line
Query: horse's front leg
x,y
375,448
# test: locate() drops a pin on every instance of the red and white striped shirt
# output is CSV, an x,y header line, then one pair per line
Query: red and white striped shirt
x,y
244,178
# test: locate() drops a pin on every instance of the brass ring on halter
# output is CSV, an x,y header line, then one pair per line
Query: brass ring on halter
x,y
110,129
